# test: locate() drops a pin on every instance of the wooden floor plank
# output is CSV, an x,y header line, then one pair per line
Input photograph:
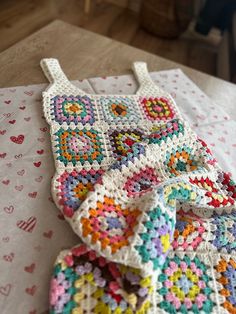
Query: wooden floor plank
x,y
19,19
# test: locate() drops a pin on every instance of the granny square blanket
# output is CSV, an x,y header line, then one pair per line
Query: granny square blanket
x,y
33,231
154,212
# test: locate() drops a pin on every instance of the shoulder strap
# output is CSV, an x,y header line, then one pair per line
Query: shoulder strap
x,y
52,70
147,85
57,77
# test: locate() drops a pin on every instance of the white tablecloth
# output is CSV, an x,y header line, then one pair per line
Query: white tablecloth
x,y
32,232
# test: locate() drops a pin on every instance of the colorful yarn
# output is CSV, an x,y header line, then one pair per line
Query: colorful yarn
x,y
226,271
206,153
138,151
188,232
110,225
224,231
86,283
73,109
73,188
227,184
163,132
141,182
184,286
79,146
204,183
157,108
119,109
121,193
157,237
217,198
123,140
180,191
181,160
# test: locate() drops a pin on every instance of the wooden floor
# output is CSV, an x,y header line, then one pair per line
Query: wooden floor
x,y
20,18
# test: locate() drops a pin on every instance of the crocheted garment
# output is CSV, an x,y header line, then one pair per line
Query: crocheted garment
x,y
154,211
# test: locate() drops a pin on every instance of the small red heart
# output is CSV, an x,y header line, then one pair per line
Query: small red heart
x,y
22,108
39,179
201,117
12,121
31,290
30,268
6,182
43,129
3,155
40,152
2,132
234,145
18,156
29,93
5,290
9,257
48,234
9,209
51,199
61,216
37,164
21,172
27,225
41,139
19,187
33,194
7,102
222,139
17,139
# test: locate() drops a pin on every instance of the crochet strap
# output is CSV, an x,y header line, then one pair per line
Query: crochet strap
x,y
145,81
52,70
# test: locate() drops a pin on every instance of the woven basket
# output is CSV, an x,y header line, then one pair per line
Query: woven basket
x,y
166,18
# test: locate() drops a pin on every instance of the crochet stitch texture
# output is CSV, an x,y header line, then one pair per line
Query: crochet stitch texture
x,y
154,211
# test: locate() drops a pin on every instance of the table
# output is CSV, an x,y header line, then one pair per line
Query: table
x,y
84,54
